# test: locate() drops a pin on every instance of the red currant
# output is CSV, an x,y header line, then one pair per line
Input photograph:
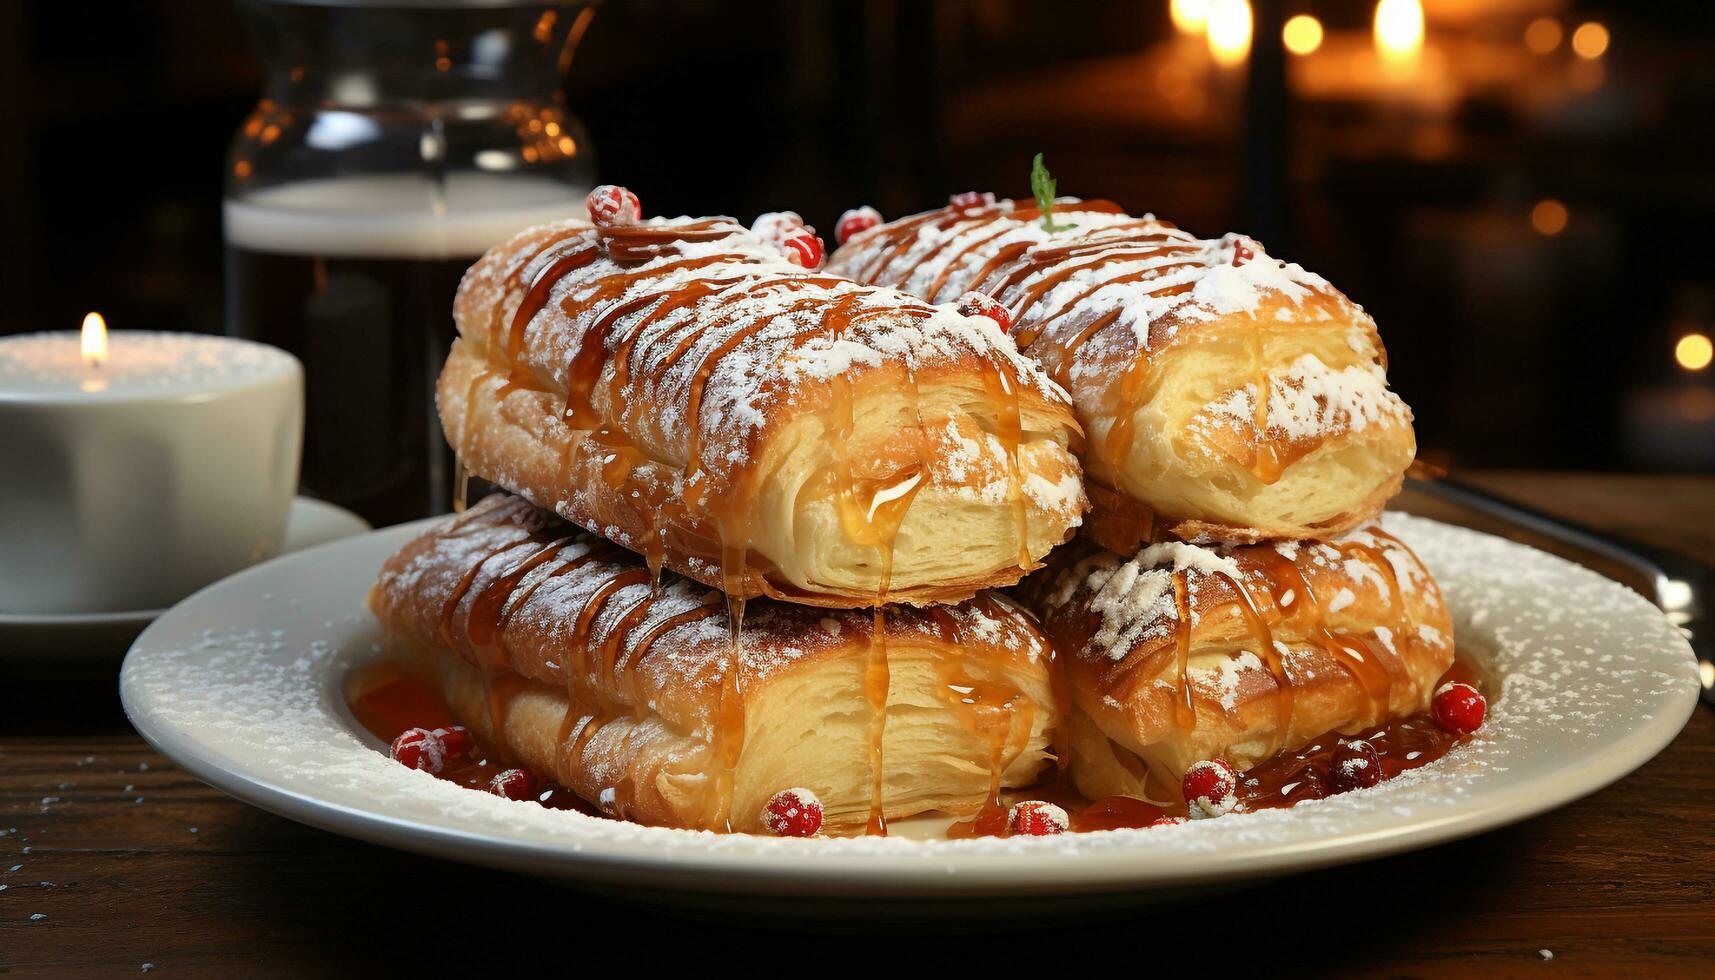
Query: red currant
x,y
419,748
1354,765
976,304
611,204
1209,787
803,248
514,784
786,231
854,221
1459,708
1036,818
455,741
793,812
1242,251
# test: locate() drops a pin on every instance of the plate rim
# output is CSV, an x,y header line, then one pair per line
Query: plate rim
x,y
912,868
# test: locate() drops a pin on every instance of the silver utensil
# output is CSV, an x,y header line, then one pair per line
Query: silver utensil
x,y
1678,584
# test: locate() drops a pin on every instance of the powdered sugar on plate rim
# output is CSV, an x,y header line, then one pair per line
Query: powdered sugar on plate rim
x,y
241,685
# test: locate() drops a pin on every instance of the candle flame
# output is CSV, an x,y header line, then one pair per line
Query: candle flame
x,y
94,339
1399,30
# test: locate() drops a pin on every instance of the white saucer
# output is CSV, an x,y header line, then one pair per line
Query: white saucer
x,y
241,685
86,638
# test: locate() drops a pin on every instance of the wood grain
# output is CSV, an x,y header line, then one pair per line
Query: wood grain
x,y
132,861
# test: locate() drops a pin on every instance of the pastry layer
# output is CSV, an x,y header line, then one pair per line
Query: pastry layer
x,y
1237,397
554,646
1183,653
679,388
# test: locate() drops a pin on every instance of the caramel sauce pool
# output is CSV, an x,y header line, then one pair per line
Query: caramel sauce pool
x,y
386,701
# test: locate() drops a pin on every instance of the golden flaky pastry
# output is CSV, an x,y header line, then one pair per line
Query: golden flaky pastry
x,y
1226,395
679,388
1182,653
554,647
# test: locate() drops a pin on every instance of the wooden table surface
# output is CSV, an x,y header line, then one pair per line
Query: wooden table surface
x,y
115,862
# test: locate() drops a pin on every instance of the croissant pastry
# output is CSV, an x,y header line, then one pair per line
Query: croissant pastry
x,y
680,388
554,647
1226,395
1183,653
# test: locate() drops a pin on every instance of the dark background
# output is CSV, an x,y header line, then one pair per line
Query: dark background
x,y
1518,345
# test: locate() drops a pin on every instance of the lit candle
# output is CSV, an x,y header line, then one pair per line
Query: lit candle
x,y
139,466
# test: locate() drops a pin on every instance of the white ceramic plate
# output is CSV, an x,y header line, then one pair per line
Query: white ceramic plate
x,y
95,638
241,684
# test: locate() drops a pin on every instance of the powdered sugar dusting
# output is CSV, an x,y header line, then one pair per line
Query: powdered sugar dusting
x,y
1592,681
723,327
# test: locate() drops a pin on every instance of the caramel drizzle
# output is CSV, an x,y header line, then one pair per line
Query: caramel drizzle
x,y
1184,706
994,709
611,652
1285,695
1292,596
630,304
1022,274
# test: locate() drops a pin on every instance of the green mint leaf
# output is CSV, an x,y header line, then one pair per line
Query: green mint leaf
x,y
1042,188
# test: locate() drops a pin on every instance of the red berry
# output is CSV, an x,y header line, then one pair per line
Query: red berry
x,y
1209,787
1036,818
1168,821
514,784
1459,708
786,231
611,204
976,304
793,812
419,748
1242,251
854,221
455,742
1354,765
970,199
803,248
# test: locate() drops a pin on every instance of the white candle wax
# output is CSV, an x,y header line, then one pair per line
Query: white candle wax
x,y
132,480
138,365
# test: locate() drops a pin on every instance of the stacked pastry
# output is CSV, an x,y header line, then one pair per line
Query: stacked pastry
x,y
707,439
1233,598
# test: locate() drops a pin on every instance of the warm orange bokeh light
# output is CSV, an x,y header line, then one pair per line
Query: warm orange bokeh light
x,y
1590,40
1302,34
1548,216
94,339
1229,29
1694,351
1399,29
1544,35
1189,15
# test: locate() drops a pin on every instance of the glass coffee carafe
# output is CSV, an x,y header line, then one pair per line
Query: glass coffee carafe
x,y
393,145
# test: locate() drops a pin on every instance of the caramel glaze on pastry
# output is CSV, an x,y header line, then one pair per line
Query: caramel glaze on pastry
x,y
555,647
1183,653
1225,395
679,388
